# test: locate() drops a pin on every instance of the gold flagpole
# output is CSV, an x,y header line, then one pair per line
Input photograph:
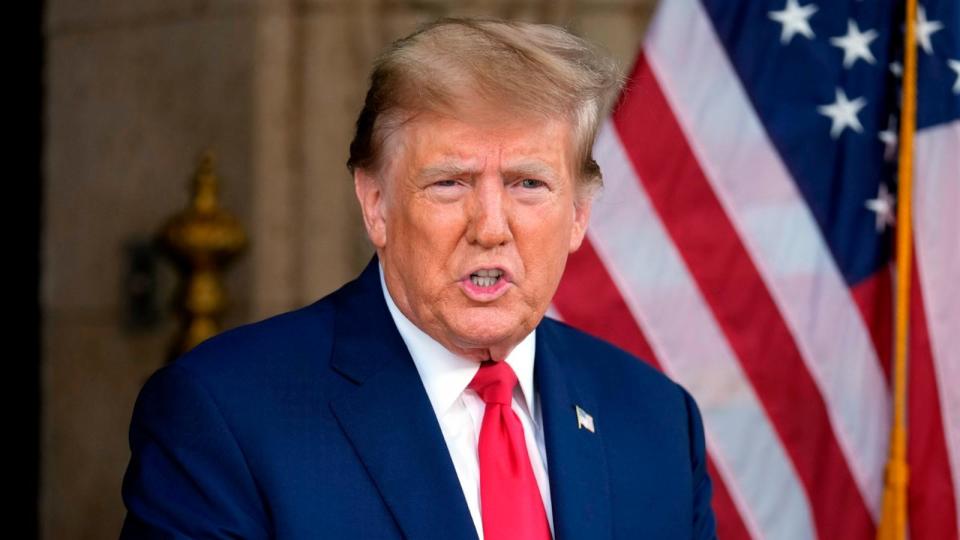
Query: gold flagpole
x,y
893,522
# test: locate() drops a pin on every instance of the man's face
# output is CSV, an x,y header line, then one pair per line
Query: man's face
x,y
473,218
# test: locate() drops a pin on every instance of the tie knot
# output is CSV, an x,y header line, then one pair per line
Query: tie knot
x,y
494,382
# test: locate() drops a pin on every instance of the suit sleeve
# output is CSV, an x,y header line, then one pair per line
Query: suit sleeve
x,y
187,476
704,522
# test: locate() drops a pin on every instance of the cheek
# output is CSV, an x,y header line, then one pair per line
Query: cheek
x,y
427,235
548,227
544,241
413,221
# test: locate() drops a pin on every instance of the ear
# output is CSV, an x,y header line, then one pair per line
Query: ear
x,y
581,217
372,199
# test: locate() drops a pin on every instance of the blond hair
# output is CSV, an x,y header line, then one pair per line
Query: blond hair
x,y
538,68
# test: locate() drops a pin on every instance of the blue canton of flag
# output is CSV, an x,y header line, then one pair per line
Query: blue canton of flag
x,y
825,79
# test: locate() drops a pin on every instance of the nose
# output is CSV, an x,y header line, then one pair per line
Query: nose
x,y
488,226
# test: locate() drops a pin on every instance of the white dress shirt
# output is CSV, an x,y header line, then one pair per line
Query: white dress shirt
x,y
459,410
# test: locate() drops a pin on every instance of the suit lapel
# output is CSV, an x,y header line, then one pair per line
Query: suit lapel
x,y
579,483
389,420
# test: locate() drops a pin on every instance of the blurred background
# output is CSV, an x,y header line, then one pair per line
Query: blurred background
x,y
743,243
133,92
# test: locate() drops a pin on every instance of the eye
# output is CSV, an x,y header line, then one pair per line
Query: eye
x,y
445,183
532,183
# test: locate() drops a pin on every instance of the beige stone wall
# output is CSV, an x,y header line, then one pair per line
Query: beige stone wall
x,y
135,89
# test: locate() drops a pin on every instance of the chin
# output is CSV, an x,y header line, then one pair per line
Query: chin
x,y
486,326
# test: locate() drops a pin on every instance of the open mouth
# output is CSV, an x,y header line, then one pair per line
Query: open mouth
x,y
486,278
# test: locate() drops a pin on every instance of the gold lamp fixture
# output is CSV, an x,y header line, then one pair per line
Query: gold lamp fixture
x,y
202,240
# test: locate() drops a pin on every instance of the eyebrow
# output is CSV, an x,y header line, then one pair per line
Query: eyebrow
x,y
532,168
447,169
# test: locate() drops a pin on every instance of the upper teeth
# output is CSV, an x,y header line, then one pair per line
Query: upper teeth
x,y
488,273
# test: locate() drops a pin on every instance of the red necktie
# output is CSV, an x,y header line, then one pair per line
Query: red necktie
x,y
510,503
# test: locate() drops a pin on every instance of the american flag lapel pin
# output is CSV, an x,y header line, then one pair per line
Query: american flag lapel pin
x,y
584,420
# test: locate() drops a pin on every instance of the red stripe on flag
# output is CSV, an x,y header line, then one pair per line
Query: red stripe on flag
x,y
930,497
588,299
874,299
740,301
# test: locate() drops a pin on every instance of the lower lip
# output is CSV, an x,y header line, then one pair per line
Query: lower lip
x,y
484,294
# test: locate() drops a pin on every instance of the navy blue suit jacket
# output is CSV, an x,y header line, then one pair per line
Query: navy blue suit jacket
x,y
314,424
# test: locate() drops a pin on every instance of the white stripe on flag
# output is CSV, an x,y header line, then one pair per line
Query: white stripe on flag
x,y
778,229
937,220
661,294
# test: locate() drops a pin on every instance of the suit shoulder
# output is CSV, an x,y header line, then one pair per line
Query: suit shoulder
x,y
266,347
608,365
627,385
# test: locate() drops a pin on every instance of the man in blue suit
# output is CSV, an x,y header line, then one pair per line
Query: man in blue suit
x,y
431,397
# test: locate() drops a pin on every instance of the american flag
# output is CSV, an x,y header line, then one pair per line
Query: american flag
x,y
743,244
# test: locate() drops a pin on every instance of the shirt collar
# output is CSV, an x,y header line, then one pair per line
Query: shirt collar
x,y
444,374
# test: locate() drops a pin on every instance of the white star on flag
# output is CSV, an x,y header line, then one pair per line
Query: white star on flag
x,y
883,207
843,113
955,66
925,29
889,138
795,20
855,44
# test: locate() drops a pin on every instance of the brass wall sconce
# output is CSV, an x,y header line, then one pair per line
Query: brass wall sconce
x,y
202,240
